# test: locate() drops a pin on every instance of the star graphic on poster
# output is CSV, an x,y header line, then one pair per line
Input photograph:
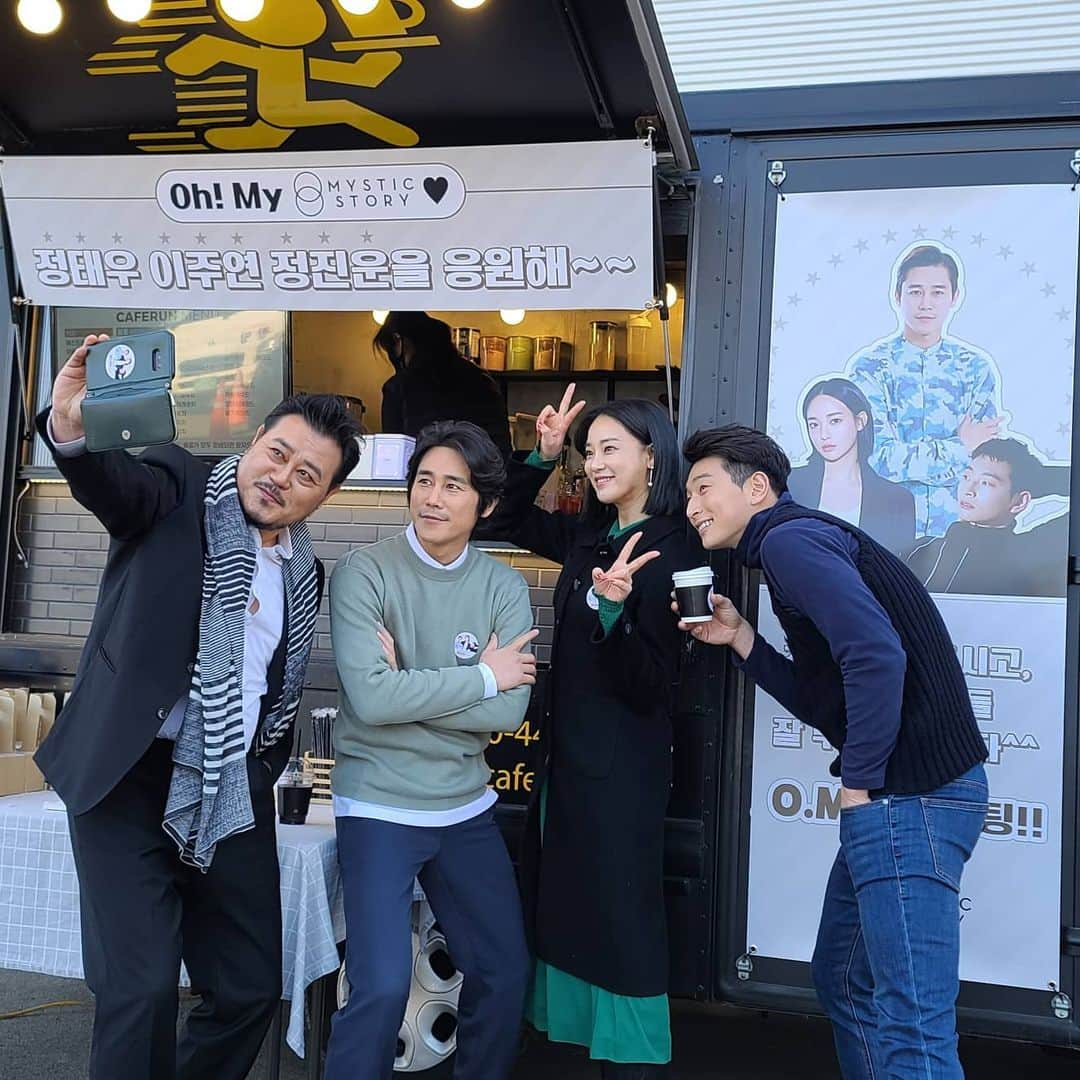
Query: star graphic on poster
x,y
324,238
1027,269
286,238
1005,251
1063,429
948,233
794,300
200,238
835,261
779,322
80,238
812,279
366,237
861,246
1048,290
237,239
164,238
919,232
1063,313
889,237
47,237
978,239
117,238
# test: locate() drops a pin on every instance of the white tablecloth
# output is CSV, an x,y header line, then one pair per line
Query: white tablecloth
x,y
39,898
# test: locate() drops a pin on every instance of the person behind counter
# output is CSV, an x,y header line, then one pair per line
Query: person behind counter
x,y
431,644
179,722
433,381
592,864
873,669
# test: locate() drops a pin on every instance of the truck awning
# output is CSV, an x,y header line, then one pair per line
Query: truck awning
x,y
311,75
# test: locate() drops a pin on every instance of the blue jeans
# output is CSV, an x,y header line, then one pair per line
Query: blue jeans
x,y
469,881
886,964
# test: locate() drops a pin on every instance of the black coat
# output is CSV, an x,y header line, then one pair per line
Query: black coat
x,y
140,652
593,890
887,512
419,395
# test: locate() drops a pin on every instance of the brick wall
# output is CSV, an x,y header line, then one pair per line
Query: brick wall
x,y
55,592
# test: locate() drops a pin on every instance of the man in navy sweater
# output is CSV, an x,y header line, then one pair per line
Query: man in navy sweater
x,y
873,669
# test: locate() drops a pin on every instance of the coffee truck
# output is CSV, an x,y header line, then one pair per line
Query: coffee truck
x,y
552,127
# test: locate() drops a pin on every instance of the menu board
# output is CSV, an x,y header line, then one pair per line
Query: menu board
x,y
230,366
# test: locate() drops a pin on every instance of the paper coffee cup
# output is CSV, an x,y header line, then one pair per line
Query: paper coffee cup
x,y
692,589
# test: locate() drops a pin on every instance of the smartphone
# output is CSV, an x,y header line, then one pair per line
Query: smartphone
x,y
128,399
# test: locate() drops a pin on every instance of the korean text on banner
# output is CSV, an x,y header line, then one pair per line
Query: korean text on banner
x,y
468,229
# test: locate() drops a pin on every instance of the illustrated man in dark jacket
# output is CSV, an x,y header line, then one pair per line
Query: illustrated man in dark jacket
x,y
873,669
180,721
982,553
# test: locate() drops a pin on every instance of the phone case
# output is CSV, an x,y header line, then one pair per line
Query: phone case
x,y
128,402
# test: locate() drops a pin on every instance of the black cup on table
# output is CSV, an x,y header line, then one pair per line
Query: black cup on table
x,y
692,589
293,801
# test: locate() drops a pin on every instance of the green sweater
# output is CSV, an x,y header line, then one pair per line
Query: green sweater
x,y
415,738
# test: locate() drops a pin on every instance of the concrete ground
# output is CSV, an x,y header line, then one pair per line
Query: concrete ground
x,y
725,1042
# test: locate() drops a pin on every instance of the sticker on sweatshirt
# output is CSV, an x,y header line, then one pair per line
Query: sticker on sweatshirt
x,y
466,647
592,599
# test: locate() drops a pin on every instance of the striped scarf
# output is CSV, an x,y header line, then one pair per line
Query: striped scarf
x,y
209,799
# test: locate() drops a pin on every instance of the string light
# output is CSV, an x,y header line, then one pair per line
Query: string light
x,y
512,316
39,16
242,10
129,10
671,295
380,316
359,7
469,5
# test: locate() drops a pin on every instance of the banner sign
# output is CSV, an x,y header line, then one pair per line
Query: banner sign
x,y
921,381
468,229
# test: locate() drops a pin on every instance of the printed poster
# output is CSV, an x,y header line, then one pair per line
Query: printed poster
x,y
921,382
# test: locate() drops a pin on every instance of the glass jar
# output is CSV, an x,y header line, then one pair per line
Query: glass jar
x,y
602,346
520,354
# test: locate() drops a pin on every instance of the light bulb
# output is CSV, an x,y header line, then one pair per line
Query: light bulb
x,y
671,295
129,10
380,316
469,5
39,16
512,316
359,7
242,10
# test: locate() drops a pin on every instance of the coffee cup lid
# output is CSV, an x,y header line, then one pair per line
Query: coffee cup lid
x,y
701,575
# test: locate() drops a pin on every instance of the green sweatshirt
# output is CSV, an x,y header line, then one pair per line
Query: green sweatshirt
x,y
415,738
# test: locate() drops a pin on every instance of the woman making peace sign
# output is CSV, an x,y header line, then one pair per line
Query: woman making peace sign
x,y
592,864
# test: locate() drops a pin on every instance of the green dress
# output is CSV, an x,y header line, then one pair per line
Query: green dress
x,y
567,1009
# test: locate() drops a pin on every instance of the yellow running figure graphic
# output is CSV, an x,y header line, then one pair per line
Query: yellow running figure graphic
x,y
274,53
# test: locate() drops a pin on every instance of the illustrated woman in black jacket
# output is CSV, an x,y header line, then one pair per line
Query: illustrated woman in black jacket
x,y
592,866
433,381
838,477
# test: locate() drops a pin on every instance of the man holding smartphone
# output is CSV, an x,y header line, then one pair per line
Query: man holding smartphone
x,y
179,722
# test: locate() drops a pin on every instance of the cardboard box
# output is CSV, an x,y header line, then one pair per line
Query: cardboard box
x,y
18,774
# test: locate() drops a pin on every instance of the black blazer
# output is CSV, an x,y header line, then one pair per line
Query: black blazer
x,y
887,512
140,652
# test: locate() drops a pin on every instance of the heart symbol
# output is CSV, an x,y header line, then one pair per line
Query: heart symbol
x,y
436,186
